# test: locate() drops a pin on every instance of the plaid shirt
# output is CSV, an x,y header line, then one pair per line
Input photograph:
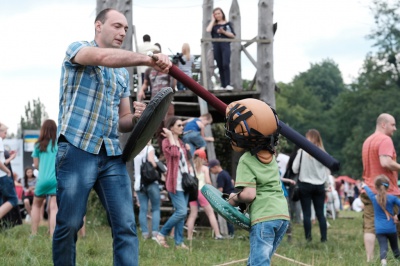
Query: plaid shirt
x,y
89,103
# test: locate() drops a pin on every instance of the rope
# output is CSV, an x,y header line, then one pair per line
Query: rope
x,y
277,255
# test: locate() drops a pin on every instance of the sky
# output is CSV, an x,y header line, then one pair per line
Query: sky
x,y
35,35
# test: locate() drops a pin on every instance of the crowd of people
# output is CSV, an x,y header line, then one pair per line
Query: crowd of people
x,y
83,154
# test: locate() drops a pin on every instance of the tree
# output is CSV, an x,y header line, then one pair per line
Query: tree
x,y
35,114
386,36
306,102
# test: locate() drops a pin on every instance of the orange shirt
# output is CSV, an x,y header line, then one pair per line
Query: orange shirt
x,y
374,146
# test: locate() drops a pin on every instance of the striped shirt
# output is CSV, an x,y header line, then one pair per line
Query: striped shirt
x,y
89,103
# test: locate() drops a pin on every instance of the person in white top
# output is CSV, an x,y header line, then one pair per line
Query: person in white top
x,y
144,49
146,192
313,182
6,180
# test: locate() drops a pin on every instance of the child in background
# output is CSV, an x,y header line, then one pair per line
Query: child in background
x,y
193,132
251,126
203,175
385,228
29,188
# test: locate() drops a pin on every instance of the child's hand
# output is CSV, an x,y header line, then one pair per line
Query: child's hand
x,y
232,199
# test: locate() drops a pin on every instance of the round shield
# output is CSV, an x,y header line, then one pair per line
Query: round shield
x,y
148,123
221,206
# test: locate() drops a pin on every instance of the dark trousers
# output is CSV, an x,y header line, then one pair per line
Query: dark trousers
x,y
222,54
383,244
315,194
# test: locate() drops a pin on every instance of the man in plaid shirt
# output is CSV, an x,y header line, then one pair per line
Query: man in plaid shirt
x,y
94,105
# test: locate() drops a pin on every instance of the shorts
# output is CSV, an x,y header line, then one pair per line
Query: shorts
x,y
368,215
201,200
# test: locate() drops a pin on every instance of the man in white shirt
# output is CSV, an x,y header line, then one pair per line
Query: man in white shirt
x,y
143,49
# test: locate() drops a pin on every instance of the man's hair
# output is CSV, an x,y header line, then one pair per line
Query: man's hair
x,y
102,16
146,38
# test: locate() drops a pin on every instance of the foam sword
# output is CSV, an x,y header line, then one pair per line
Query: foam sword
x,y
286,131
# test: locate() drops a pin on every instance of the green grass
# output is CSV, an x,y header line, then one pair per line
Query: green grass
x,y
344,247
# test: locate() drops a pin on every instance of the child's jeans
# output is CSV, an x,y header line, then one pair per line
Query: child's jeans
x,y
383,244
264,239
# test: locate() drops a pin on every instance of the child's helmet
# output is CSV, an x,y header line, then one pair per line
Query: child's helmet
x,y
252,125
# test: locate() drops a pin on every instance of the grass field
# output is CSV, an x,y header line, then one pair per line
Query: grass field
x,y
344,247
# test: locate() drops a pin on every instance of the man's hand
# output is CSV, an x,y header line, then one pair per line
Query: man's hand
x,y
161,63
139,108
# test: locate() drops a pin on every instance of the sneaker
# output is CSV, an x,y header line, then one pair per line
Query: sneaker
x,y
27,218
219,237
229,88
231,236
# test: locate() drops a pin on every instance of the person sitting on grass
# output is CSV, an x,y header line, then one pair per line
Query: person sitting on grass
x,y
385,227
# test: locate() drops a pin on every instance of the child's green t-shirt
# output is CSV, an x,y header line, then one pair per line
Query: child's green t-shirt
x,y
270,202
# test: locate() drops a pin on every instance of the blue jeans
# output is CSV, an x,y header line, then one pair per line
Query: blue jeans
x,y
316,194
7,190
383,245
77,173
180,201
264,240
195,140
150,192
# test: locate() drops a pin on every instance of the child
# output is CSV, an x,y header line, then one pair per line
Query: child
x,y
203,175
193,132
29,188
252,127
385,228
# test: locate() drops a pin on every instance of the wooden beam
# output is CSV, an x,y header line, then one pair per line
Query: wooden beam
x,y
265,59
235,65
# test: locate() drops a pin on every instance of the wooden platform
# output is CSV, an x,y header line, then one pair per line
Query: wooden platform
x,y
187,105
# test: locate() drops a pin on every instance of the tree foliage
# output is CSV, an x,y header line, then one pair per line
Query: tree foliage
x,y
386,37
346,115
35,114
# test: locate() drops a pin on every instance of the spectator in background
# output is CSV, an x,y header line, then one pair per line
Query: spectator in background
x,y
379,158
202,174
156,80
385,227
313,180
44,159
185,64
29,190
146,192
350,195
222,29
177,163
6,181
19,189
193,132
144,49
225,184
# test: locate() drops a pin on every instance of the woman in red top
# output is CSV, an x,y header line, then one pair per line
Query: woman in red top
x,y
175,154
